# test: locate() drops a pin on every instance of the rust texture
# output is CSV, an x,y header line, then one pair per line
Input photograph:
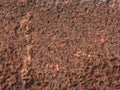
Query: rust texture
x,y
59,45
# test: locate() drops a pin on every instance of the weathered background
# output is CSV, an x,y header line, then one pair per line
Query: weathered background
x,y
59,45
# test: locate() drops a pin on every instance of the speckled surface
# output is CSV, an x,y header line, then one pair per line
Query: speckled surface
x,y
59,45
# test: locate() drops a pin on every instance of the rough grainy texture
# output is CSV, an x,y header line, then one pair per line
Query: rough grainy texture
x,y
59,45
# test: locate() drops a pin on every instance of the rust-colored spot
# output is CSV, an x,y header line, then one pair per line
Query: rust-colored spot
x,y
77,54
95,40
29,58
50,66
84,54
57,67
47,66
102,39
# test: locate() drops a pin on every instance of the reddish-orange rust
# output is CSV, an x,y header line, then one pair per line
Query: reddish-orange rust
x,y
47,66
78,54
57,67
102,39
